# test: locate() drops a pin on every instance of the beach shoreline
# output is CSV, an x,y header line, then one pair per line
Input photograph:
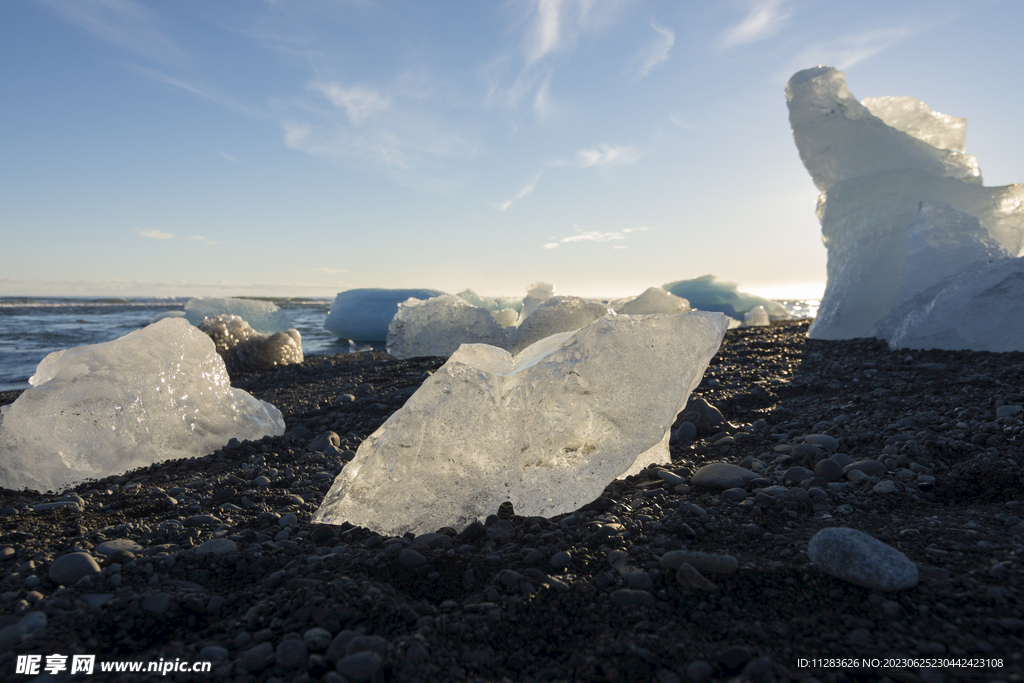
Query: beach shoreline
x,y
282,599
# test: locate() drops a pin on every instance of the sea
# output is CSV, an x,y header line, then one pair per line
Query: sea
x,y
33,327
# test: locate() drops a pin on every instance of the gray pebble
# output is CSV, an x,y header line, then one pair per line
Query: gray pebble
x,y
856,476
829,443
359,667
685,432
828,469
884,487
157,603
798,474
213,653
560,560
111,547
326,439
855,557
1008,411
722,475
688,577
804,451
411,558
736,494
501,532
872,468
671,477
317,639
702,562
699,671
256,658
71,568
630,597
291,652
217,546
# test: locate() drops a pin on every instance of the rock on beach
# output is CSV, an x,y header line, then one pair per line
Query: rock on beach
x,y
858,558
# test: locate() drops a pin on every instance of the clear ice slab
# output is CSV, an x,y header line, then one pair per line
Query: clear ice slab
x,y
156,394
439,325
547,429
874,164
554,315
264,316
653,300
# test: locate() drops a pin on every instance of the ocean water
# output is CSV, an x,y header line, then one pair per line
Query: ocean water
x,y
31,328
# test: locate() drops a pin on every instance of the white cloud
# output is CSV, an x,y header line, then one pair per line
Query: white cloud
x,y
206,92
764,18
124,23
200,238
657,52
845,51
607,155
527,189
595,236
229,157
359,103
154,234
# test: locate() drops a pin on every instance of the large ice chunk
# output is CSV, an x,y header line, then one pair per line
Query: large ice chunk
x,y
756,317
155,394
364,314
653,300
264,316
438,326
546,430
874,171
557,314
708,293
490,303
246,350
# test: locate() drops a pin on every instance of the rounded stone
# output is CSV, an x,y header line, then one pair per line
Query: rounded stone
x,y
702,562
291,652
560,560
884,487
411,558
722,475
501,532
858,558
872,468
797,474
631,597
685,432
217,546
256,658
157,603
123,544
829,443
359,667
71,568
317,639
828,469
736,494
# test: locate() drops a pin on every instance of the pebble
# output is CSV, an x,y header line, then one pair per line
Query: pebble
x,y
685,432
797,474
829,443
411,558
291,652
855,557
320,443
317,639
736,494
501,532
560,560
1008,411
631,597
217,546
69,569
722,475
256,658
124,544
359,667
157,603
702,562
872,468
671,477
828,469
688,577
884,487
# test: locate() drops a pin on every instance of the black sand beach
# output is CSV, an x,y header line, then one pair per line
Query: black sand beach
x,y
581,597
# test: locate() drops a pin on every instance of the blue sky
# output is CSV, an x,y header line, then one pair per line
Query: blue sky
x,y
306,147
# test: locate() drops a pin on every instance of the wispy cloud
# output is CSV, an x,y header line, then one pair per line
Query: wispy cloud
x,y
228,157
200,238
603,156
763,19
154,234
845,51
527,189
594,236
523,72
124,23
656,52
359,103
329,271
205,92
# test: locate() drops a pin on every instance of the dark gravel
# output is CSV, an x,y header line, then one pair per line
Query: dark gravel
x,y
225,566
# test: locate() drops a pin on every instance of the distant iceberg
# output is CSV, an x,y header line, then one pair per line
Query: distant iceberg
x,y
708,293
364,314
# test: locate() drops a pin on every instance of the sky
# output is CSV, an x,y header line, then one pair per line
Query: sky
x,y
306,147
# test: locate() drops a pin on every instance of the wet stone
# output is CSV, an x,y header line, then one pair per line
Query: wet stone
x,y
71,568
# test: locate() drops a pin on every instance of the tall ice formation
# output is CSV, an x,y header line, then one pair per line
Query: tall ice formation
x,y
547,429
155,394
875,164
